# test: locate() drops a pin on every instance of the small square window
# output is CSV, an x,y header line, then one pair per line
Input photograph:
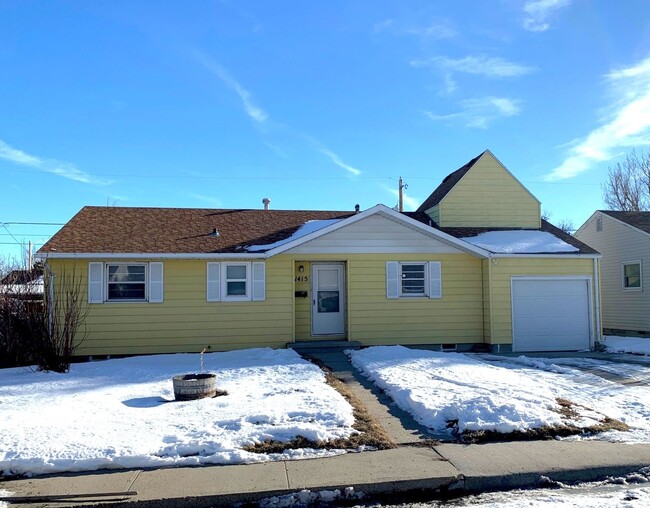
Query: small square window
x,y
632,275
413,279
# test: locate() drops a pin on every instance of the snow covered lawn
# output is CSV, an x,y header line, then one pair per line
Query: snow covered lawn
x,y
635,345
121,413
452,392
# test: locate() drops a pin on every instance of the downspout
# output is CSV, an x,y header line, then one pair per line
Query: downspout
x,y
598,334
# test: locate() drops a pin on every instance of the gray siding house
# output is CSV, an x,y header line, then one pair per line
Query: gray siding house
x,y
623,238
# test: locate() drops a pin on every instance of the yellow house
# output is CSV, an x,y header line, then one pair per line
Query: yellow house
x,y
475,267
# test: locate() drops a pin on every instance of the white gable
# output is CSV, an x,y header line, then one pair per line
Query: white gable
x,y
375,234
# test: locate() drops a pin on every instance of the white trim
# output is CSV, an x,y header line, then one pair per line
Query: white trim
x,y
589,280
142,255
392,214
548,256
632,289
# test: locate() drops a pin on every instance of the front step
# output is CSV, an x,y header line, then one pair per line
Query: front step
x,y
312,347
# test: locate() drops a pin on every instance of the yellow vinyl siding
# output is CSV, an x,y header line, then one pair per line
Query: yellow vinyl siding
x,y
489,196
185,320
487,301
500,290
303,305
373,319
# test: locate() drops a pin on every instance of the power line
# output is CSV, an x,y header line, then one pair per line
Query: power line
x,y
31,224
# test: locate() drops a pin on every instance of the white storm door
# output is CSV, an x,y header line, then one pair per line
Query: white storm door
x,y
328,299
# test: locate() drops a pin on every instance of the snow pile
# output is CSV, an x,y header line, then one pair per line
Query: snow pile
x,y
4,493
520,242
121,413
438,388
484,392
309,498
307,228
636,345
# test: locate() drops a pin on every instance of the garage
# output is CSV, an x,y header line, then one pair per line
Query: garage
x,y
551,314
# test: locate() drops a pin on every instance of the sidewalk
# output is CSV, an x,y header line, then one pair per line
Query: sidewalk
x,y
413,466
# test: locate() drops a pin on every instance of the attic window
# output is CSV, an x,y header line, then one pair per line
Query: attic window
x,y
599,224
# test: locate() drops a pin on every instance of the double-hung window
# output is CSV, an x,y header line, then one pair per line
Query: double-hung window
x,y
237,281
126,282
413,279
632,275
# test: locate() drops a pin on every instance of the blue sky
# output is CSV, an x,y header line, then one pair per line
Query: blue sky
x,y
317,105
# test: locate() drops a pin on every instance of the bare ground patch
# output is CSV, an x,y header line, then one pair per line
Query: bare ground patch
x,y
570,411
369,432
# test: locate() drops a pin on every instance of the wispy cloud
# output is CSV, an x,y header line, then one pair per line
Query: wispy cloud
x,y
336,160
480,112
537,13
490,67
410,203
626,124
438,29
64,169
253,111
210,200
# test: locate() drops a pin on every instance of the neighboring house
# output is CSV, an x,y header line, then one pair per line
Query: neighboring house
x,y
623,238
474,266
23,285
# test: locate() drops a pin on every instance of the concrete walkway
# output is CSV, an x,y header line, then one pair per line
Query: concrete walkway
x,y
413,466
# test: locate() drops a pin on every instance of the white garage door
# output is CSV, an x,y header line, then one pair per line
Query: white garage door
x,y
550,314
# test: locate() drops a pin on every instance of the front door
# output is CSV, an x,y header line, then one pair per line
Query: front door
x,y
328,299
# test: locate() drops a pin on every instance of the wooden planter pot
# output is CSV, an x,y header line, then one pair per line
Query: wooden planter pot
x,y
194,386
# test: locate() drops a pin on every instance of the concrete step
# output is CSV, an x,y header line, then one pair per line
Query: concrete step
x,y
323,346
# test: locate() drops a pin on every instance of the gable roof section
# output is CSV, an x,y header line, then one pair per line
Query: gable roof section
x,y
447,184
451,180
639,220
125,230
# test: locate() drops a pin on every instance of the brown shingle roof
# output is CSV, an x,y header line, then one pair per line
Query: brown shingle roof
x,y
177,230
447,184
640,220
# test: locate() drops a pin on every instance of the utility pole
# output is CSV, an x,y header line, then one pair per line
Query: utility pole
x,y
402,186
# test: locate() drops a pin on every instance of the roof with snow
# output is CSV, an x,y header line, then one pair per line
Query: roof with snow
x,y
180,230
640,220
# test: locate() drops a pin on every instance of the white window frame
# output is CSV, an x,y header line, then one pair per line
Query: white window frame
x,y
425,293
623,265
224,282
135,300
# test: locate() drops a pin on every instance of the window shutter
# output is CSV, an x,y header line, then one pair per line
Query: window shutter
x,y
214,282
155,282
259,282
435,279
95,282
392,279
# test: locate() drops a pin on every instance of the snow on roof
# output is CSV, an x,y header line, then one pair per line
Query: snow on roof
x,y
520,242
307,228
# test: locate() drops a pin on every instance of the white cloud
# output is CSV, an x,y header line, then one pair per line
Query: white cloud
x,y
480,112
254,112
336,160
210,200
64,169
626,125
442,30
538,11
410,203
494,67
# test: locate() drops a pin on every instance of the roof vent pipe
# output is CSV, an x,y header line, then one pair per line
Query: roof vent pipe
x,y
266,202
357,208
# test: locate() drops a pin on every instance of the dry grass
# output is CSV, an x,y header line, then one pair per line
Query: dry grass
x,y
369,432
568,411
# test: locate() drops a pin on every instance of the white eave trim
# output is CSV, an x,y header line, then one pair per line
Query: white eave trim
x,y
387,212
559,255
146,255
